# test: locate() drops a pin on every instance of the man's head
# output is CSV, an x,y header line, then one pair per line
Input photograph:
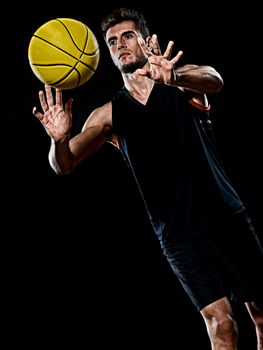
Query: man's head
x,y
124,14
121,30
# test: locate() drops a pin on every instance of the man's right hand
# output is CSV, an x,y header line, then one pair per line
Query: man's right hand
x,y
56,119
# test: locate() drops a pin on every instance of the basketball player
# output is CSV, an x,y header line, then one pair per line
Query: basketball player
x,y
159,120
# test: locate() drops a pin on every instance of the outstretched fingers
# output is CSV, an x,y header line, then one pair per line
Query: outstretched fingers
x,y
49,96
155,45
151,47
68,106
146,49
168,52
176,58
59,97
48,104
43,102
37,114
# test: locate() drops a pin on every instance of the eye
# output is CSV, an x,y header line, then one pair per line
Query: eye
x,y
112,42
129,36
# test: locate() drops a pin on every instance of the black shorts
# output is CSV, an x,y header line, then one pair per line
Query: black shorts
x,y
225,262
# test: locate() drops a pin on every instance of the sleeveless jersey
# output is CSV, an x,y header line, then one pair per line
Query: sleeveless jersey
x,y
170,149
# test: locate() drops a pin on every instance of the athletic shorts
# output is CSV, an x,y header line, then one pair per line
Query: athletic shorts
x,y
225,262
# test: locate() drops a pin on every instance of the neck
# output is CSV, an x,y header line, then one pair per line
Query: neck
x,y
139,87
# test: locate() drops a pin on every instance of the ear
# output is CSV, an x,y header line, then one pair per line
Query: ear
x,y
148,42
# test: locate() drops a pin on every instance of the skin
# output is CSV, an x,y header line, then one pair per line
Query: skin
x,y
141,65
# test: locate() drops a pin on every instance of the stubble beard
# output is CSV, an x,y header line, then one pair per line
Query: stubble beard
x,y
133,66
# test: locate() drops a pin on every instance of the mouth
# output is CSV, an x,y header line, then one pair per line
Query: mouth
x,y
123,55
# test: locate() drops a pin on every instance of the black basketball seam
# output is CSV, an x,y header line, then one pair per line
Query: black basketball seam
x,y
78,60
67,53
87,36
65,76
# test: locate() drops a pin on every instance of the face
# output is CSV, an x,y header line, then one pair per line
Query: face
x,y
125,51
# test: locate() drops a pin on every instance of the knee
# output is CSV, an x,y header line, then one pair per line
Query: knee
x,y
223,327
220,322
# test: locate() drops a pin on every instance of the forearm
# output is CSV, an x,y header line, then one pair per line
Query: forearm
x,y
66,154
60,157
201,79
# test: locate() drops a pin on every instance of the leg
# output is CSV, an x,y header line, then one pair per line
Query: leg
x,y
256,313
221,326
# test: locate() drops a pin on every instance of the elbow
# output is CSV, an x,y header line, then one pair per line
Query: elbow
x,y
214,80
214,84
60,168
219,83
61,171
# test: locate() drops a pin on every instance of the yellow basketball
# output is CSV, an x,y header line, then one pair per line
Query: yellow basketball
x,y
64,53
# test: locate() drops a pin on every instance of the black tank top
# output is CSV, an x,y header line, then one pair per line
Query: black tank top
x,y
169,146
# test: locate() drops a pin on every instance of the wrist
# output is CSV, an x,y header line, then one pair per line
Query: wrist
x,y
176,76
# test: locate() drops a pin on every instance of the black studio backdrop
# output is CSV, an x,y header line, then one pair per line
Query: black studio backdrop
x,y
217,37
79,249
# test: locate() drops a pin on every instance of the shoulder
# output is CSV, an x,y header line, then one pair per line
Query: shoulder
x,y
100,116
102,113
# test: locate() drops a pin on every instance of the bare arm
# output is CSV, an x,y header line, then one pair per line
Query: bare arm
x,y
201,79
66,153
163,69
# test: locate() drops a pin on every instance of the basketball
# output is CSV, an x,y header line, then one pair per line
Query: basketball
x,y
63,53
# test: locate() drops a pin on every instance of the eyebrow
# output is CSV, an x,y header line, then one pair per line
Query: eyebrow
x,y
122,34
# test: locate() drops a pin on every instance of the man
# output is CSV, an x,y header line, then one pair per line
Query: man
x,y
160,122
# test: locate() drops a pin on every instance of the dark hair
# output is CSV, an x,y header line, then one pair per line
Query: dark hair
x,y
125,14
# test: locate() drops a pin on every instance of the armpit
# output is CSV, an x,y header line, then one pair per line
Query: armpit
x,y
114,141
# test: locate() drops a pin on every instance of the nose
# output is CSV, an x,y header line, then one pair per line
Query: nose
x,y
120,44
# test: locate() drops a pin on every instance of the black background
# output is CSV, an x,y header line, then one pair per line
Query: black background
x,y
81,261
